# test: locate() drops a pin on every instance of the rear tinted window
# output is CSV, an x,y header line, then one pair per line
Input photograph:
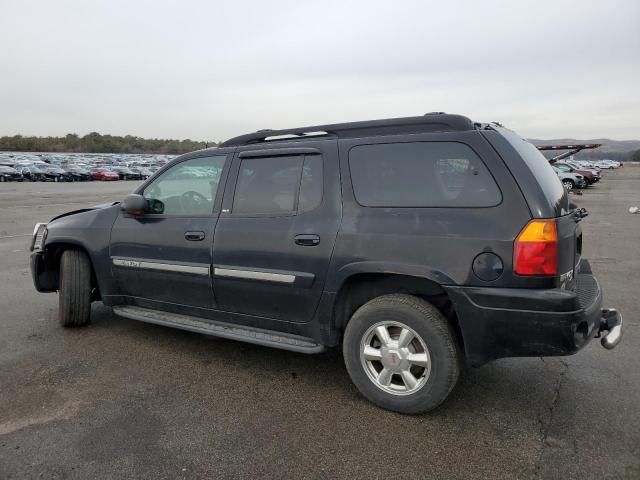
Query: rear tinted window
x,y
545,175
267,185
421,174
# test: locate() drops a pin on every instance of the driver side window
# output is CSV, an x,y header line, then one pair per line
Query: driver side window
x,y
188,188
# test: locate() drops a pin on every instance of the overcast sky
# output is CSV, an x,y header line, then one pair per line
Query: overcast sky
x,y
208,70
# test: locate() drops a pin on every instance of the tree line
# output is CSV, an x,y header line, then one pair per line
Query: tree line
x,y
97,143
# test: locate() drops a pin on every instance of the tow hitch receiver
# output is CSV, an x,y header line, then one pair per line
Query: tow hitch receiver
x,y
611,323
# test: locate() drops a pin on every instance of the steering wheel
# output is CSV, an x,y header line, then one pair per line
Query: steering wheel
x,y
192,201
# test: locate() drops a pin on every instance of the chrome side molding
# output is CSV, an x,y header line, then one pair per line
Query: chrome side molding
x,y
160,266
254,275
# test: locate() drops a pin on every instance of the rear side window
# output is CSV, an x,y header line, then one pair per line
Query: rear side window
x,y
421,174
544,174
278,185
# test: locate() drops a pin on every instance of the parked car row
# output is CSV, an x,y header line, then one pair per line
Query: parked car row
x,y
608,164
77,168
581,173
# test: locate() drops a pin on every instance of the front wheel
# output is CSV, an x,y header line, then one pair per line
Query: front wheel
x,y
401,353
568,184
74,302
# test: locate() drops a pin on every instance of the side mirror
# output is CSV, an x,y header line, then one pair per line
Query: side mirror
x,y
135,205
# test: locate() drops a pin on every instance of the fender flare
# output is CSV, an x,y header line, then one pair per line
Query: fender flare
x,y
338,279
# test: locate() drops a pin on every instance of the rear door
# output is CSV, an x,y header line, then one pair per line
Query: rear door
x,y
276,232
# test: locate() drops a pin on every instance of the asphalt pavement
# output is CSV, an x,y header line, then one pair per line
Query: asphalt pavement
x,y
123,399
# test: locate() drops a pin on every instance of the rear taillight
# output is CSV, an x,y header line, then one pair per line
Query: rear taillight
x,y
535,251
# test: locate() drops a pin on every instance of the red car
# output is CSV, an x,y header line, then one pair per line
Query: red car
x,y
104,174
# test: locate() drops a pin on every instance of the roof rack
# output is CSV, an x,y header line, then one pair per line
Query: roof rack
x,y
430,122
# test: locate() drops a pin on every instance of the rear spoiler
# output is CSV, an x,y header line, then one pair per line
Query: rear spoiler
x,y
572,149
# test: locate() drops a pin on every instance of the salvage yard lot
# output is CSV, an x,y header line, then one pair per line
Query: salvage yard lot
x,y
126,399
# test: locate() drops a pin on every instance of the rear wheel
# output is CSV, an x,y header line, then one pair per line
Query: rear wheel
x,y
74,302
3,179
401,353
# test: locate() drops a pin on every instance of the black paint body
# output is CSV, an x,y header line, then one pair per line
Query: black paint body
x,y
502,315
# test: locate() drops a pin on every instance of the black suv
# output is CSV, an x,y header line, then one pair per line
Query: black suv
x,y
420,244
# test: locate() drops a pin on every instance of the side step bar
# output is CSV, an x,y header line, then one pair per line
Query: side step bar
x,y
258,336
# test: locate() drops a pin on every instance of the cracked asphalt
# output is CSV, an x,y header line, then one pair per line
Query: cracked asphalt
x,y
125,399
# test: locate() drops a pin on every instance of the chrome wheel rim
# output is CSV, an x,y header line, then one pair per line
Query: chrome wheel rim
x,y
395,358
567,185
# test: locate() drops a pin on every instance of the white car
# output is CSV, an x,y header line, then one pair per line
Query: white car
x,y
587,164
570,180
606,164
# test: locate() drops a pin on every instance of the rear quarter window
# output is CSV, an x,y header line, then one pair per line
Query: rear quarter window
x,y
421,174
542,170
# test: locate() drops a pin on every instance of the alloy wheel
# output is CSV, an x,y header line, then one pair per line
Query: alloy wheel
x,y
395,358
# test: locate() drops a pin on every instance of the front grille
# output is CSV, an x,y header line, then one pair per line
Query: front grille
x,y
587,289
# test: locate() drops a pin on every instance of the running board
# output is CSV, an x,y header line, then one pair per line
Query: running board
x,y
219,329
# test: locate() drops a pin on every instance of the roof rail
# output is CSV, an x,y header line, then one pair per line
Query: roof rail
x,y
430,122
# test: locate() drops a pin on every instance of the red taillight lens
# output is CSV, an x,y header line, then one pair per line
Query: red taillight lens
x,y
535,251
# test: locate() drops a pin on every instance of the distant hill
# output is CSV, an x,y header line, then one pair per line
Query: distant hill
x,y
612,149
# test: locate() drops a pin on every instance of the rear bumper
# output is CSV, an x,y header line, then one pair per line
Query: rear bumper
x,y
505,322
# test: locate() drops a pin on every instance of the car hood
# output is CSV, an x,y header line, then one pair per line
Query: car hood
x,y
82,210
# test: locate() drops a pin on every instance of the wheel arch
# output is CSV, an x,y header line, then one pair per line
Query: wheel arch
x,y
54,251
362,286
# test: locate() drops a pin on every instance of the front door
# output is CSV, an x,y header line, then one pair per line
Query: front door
x,y
276,232
162,259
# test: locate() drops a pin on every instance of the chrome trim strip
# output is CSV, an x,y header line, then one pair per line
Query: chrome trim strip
x,y
165,267
35,229
34,237
253,275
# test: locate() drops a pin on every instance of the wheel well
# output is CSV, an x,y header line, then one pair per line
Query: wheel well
x,y
52,265
360,288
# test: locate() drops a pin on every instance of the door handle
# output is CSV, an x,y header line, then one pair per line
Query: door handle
x,y
194,236
307,240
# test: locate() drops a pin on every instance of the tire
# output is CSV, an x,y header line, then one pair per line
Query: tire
x,y
74,302
2,179
568,184
398,312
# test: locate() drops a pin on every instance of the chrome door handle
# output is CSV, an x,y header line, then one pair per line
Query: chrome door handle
x,y
194,236
307,240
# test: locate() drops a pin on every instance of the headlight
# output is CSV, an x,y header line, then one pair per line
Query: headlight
x,y
39,236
